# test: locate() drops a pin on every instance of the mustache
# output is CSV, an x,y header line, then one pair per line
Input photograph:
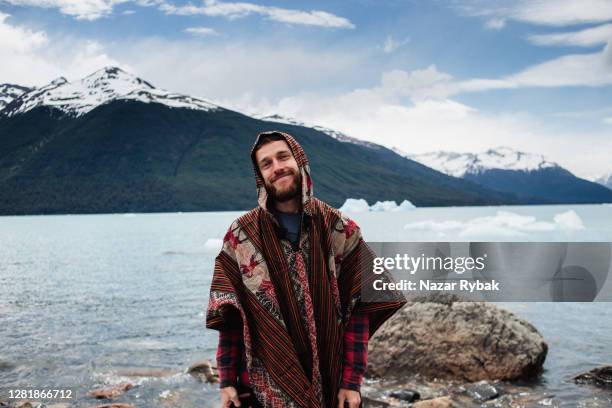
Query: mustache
x,y
286,173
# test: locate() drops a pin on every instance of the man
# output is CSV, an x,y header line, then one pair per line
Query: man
x,y
286,293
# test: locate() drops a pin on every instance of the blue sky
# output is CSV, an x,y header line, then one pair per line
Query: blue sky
x,y
462,75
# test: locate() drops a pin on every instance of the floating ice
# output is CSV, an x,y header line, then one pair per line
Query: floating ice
x,y
213,244
361,205
502,224
569,220
355,205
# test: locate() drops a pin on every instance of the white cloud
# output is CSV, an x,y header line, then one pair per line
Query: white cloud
x,y
33,58
235,10
19,40
392,44
545,12
227,72
411,110
429,120
495,23
80,9
588,37
418,84
607,121
95,9
593,69
201,31
562,12
234,73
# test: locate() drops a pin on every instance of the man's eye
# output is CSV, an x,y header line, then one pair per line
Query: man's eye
x,y
284,157
265,165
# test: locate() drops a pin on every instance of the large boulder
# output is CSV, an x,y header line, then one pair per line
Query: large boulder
x,y
443,337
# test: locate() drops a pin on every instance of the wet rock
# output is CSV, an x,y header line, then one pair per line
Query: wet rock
x,y
406,395
29,404
204,371
58,405
382,389
111,392
115,405
442,402
6,365
522,400
482,391
25,404
601,377
442,337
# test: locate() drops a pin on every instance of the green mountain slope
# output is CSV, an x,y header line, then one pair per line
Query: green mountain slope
x,y
128,156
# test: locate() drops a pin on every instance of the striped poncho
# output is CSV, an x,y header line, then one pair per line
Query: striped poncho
x,y
251,277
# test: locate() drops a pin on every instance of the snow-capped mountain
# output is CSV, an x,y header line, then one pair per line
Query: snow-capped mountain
x,y
112,142
8,92
108,84
605,180
120,144
460,164
339,136
112,83
530,176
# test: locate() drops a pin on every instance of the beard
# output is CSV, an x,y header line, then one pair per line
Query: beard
x,y
287,193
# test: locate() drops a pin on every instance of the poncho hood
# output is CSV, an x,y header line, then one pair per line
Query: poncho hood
x,y
303,166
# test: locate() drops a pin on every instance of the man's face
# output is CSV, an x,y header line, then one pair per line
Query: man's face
x,y
279,170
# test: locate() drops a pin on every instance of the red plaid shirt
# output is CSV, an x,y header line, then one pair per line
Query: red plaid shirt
x,y
231,362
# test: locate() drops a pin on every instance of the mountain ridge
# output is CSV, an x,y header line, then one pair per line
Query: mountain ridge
x,y
108,84
8,92
128,156
605,180
530,176
112,142
501,157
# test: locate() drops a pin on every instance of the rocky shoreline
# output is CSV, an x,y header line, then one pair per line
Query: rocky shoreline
x,y
437,352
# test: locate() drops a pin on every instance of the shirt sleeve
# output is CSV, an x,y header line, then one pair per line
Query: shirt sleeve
x,y
229,356
355,351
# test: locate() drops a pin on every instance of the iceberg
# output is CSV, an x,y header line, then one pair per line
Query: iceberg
x,y
504,224
405,206
213,244
354,205
360,205
384,206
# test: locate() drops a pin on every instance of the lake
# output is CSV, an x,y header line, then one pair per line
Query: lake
x,y
83,297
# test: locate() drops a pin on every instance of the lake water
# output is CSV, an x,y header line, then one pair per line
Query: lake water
x,y
83,297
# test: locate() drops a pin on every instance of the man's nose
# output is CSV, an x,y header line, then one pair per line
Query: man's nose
x,y
278,167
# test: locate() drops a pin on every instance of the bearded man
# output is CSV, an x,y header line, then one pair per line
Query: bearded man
x,y
286,293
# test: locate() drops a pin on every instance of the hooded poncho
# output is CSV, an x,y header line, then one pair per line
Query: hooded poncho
x,y
251,278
